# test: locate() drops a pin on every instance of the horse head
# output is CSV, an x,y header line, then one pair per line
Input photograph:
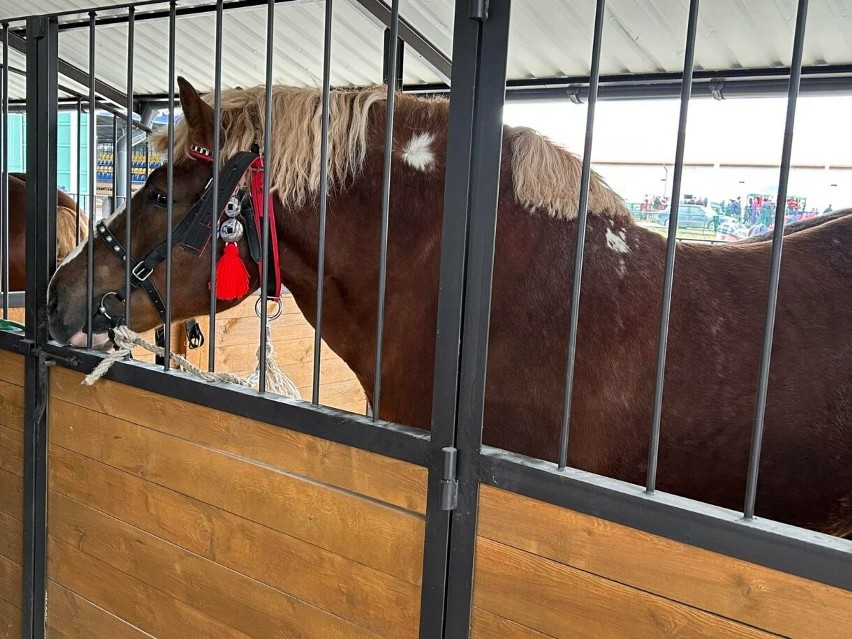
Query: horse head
x,y
67,292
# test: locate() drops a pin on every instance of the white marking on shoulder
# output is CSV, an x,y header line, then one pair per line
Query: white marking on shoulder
x,y
617,242
417,152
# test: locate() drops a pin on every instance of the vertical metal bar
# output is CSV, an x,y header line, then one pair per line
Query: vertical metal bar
x,y
128,149
170,177
214,222
775,263
267,146
582,215
454,234
114,196
93,173
386,184
79,164
4,150
489,97
42,111
326,92
671,244
400,52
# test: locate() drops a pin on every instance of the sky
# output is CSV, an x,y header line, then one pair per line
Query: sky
x,y
731,131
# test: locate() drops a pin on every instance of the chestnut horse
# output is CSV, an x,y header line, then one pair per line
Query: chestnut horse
x,y
717,309
67,236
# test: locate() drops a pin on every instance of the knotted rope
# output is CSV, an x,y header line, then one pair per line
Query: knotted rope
x,y
125,340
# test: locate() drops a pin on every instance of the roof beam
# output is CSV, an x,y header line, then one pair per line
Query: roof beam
x,y
68,70
428,53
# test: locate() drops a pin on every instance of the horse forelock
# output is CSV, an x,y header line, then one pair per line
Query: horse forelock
x,y
546,177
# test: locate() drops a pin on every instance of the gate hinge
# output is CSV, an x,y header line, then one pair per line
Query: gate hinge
x,y
449,483
478,10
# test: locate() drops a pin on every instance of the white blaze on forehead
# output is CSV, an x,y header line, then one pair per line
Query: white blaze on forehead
x,y
617,241
417,152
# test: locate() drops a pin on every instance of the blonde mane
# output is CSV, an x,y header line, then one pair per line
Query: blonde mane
x,y
67,237
546,176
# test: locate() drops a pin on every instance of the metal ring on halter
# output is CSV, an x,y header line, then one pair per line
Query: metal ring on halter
x,y
278,311
102,306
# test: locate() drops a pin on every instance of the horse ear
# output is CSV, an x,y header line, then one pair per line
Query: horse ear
x,y
197,113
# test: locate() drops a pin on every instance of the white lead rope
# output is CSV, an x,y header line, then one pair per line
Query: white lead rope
x,y
125,340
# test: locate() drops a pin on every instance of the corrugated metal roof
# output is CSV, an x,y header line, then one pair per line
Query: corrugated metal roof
x,y
549,39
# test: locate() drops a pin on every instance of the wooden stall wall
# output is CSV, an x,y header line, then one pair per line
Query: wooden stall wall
x,y
544,571
176,520
11,492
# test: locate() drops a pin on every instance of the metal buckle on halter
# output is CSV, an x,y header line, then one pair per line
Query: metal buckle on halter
x,y
139,272
277,312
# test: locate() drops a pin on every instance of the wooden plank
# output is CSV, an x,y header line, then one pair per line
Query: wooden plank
x,y
378,477
339,394
245,330
12,451
487,625
12,368
243,603
386,538
10,621
12,494
562,601
755,595
71,615
11,538
129,599
11,405
11,582
287,352
350,590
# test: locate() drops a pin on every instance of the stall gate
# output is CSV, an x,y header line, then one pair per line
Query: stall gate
x,y
154,505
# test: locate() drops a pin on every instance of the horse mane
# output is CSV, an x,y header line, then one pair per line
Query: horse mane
x,y
67,237
546,177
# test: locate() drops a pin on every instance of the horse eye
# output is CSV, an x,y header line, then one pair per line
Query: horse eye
x,y
160,199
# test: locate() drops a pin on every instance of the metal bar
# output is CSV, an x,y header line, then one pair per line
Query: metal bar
x,y
267,147
76,74
79,186
114,186
93,172
671,245
487,146
326,93
392,440
582,215
422,47
793,550
128,147
400,57
4,171
170,178
214,222
775,263
42,48
386,184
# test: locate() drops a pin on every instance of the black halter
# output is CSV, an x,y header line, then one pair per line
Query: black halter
x,y
193,234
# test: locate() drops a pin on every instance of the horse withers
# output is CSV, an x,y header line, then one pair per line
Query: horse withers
x,y
717,310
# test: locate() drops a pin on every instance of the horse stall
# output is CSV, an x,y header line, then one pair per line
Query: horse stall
x,y
458,450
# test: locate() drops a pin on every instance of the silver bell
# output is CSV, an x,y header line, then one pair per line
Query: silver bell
x,y
233,207
231,230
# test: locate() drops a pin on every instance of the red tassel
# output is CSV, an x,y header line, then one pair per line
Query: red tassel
x,y
232,280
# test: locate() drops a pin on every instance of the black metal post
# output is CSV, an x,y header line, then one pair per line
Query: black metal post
x,y
671,244
582,215
326,96
114,195
128,161
267,212
170,178
93,175
4,171
42,44
78,195
775,262
400,57
466,38
214,222
383,241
